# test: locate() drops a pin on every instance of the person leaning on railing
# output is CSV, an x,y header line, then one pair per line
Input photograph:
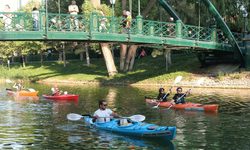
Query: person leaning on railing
x,y
7,18
171,27
73,10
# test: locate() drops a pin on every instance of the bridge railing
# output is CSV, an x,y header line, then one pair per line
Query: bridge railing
x,y
16,21
19,21
159,29
196,33
64,23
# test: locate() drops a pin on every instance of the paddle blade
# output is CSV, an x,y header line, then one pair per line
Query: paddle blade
x,y
74,117
199,81
8,81
178,79
32,90
137,118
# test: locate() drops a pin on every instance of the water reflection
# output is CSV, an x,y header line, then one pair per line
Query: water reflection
x,y
35,122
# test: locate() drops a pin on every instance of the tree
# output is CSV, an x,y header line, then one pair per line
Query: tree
x,y
30,5
87,8
53,6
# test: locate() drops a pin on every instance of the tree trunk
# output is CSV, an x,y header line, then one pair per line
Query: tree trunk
x,y
124,4
41,55
64,56
113,53
87,55
26,59
60,56
131,57
123,51
108,59
148,8
81,56
13,59
23,61
130,7
96,3
168,58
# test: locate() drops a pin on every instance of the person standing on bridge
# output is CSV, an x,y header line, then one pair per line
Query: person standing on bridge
x,y
35,16
103,21
73,10
171,27
7,18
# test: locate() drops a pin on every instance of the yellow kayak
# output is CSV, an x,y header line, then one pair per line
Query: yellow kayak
x,y
22,93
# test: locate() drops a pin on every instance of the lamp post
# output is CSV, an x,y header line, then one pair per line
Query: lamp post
x,y
112,2
244,16
20,5
244,32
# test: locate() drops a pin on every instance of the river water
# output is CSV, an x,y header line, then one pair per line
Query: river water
x,y
38,123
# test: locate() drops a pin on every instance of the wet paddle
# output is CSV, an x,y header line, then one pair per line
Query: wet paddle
x,y
177,80
9,81
74,117
197,83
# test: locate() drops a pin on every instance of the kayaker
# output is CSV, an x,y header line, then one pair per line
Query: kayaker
x,y
55,91
179,93
103,112
18,87
161,97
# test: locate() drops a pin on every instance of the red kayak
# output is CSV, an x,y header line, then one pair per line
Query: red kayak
x,y
64,96
187,106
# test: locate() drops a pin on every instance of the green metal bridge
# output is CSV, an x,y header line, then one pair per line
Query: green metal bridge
x,y
66,27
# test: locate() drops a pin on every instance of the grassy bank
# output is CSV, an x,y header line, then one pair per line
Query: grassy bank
x,y
146,70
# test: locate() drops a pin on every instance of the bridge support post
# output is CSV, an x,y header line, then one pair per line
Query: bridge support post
x,y
42,26
139,25
151,29
94,22
247,55
214,33
178,29
201,58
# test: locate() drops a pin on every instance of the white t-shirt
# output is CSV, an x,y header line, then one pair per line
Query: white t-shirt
x,y
35,14
74,9
103,113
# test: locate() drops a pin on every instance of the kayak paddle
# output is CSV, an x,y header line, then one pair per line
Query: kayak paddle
x,y
177,80
9,81
74,117
197,83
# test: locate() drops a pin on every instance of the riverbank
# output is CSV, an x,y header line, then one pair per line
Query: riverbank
x,y
147,71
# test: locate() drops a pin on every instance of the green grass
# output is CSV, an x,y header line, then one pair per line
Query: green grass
x,y
146,70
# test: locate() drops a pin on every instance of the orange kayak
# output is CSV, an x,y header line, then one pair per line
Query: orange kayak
x,y
187,106
23,93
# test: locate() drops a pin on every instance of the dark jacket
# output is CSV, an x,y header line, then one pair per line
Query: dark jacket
x,y
160,97
180,101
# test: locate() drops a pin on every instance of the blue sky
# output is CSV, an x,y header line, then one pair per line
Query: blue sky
x,y
12,3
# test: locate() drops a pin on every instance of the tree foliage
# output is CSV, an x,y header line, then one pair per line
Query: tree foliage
x,y
30,5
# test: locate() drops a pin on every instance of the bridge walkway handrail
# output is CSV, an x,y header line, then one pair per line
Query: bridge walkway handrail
x,y
88,24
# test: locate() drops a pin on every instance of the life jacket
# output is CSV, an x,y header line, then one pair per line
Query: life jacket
x,y
180,101
160,96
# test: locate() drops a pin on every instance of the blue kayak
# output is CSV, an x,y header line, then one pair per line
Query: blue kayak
x,y
135,129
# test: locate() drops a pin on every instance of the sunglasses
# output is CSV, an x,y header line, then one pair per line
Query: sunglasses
x,y
105,105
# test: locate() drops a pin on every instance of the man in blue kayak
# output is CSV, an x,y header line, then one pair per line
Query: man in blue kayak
x,y
103,114
161,97
176,99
